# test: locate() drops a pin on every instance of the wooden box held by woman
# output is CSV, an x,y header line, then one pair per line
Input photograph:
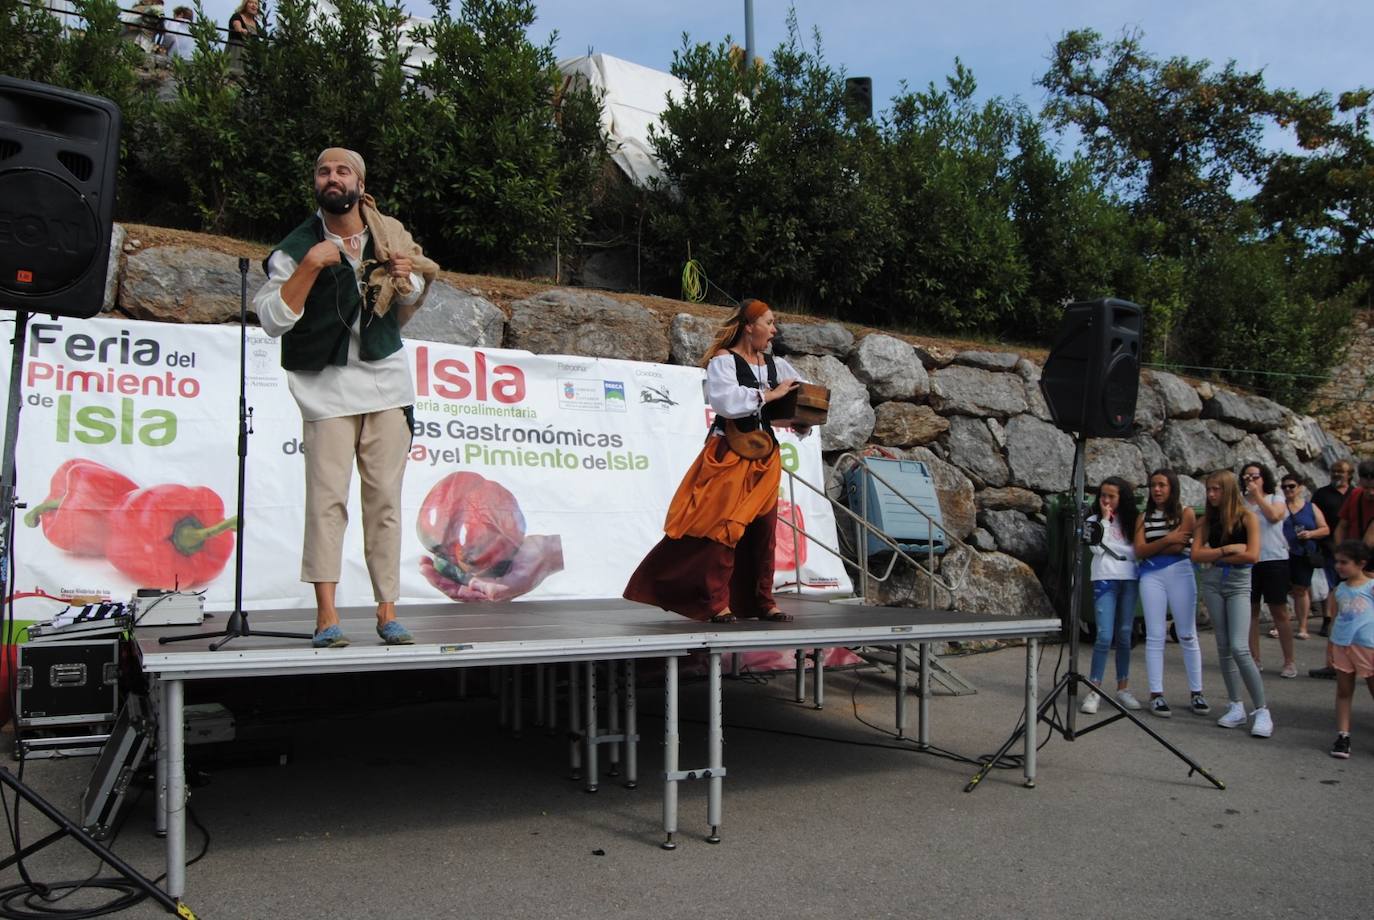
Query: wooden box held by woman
x,y
716,561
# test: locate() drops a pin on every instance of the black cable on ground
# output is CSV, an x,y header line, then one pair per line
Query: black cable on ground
x,y
31,899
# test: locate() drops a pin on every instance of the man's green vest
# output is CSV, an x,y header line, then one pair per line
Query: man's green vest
x,y
320,336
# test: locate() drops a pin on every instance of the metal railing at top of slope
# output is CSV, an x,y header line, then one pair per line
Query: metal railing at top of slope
x,y
948,581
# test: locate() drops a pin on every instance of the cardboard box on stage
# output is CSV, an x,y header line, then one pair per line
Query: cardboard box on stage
x,y
67,683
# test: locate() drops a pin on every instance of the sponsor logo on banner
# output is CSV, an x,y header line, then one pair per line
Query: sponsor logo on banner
x,y
615,395
582,395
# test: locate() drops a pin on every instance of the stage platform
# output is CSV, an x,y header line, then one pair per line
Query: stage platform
x,y
577,632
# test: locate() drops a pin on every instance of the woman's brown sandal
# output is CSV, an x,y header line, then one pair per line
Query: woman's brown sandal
x,y
726,617
777,616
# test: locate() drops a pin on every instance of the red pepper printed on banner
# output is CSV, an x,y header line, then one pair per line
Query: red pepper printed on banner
x,y
81,495
789,548
472,525
170,536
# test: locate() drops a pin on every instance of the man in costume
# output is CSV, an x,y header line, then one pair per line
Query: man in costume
x,y
339,288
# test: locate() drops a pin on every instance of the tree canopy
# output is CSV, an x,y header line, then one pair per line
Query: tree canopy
x,y
1143,177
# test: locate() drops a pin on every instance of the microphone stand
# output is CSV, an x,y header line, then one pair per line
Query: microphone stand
x,y
238,624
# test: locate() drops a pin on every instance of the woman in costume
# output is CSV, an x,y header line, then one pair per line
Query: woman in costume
x,y
715,562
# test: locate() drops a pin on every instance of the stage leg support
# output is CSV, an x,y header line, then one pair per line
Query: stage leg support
x,y
539,695
172,715
1032,706
800,695
715,751
589,732
671,749
574,721
163,753
502,696
631,728
818,677
901,692
613,716
923,704
551,687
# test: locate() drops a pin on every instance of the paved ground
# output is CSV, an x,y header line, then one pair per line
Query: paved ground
x,y
432,811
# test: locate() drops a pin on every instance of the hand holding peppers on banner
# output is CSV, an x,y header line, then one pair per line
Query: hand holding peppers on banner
x,y
164,536
476,532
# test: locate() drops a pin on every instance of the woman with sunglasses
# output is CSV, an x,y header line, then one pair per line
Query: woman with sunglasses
x,y
1304,528
1269,579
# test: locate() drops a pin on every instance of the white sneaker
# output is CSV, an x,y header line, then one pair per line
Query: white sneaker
x,y
1264,724
1090,703
1235,715
1127,699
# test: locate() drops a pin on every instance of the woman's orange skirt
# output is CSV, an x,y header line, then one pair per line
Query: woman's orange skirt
x,y
720,536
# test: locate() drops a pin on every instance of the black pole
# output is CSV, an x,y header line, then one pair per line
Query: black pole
x,y
8,502
237,624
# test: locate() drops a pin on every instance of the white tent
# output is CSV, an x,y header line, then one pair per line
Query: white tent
x,y
635,97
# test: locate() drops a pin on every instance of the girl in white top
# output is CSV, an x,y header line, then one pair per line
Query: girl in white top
x,y
1269,578
1115,588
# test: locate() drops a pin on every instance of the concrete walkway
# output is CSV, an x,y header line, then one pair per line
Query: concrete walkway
x,y
432,811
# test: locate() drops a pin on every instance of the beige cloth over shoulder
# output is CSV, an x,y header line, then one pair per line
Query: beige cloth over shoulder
x,y
390,238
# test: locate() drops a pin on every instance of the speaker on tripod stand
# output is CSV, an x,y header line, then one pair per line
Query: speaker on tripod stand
x,y
59,157
59,153
1090,382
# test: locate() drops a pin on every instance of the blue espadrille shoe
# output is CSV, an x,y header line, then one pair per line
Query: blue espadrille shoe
x,y
393,633
330,637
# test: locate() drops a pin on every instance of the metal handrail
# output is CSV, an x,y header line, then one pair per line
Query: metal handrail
x,y
950,582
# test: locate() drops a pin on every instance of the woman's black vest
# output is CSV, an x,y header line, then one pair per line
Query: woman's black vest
x,y
744,374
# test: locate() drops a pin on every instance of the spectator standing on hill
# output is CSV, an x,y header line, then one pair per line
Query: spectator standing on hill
x,y
176,40
242,24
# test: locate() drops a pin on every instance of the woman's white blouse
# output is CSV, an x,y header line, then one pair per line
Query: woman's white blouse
x,y
728,398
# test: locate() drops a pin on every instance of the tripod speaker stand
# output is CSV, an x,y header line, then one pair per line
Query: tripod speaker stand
x,y
238,624
1095,353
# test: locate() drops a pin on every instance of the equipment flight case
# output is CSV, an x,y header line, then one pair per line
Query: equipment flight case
x,y
67,683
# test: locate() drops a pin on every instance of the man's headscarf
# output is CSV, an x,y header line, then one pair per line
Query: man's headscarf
x,y
351,157
389,238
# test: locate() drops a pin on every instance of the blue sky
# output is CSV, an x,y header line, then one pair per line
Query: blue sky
x,y
1304,44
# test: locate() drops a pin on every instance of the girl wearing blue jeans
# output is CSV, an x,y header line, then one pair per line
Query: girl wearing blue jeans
x,y
1114,588
1162,538
1227,545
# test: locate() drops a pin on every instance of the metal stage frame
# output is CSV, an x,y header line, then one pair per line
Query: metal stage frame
x,y
575,632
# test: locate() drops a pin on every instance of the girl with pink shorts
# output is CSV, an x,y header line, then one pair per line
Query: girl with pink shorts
x,y
1351,649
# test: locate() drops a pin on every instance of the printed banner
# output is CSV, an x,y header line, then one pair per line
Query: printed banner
x,y
530,476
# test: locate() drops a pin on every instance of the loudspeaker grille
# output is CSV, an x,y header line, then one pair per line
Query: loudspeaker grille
x,y
78,164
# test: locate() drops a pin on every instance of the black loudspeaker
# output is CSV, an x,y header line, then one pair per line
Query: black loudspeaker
x,y
858,98
59,154
1092,375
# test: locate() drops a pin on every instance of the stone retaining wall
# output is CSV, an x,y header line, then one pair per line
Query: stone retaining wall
x,y
977,417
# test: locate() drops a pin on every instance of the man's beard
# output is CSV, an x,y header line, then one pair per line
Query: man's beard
x,y
335,201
